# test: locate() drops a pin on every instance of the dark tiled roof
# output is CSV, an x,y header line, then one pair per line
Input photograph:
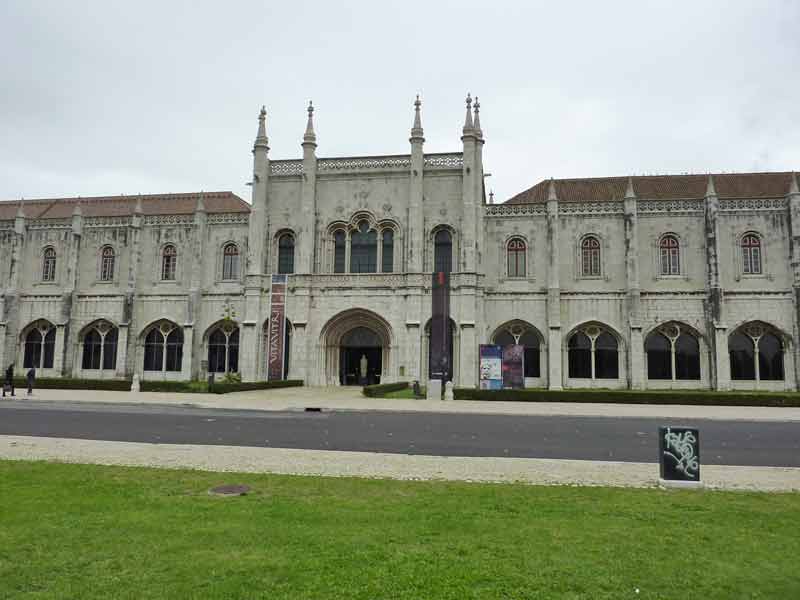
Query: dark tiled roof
x,y
116,206
660,187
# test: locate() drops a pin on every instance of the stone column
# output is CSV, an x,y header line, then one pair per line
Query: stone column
x,y
122,350
793,202
554,374
468,360
58,360
635,354
416,228
723,371
188,344
308,209
249,351
715,310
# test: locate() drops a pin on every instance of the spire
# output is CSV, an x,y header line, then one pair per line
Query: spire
x,y
261,136
201,206
629,193
477,124
20,210
491,196
137,210
793,189
310,137
551,191
710,189
416,129
468,125
77,212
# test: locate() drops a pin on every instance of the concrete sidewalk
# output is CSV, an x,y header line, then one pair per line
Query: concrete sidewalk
x,y
350,398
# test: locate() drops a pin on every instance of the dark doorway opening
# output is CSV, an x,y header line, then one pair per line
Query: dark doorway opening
x,y
350,361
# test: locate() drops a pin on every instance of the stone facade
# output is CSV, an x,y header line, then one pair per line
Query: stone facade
x,y
600,278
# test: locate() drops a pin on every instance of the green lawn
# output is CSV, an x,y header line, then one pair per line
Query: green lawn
x,y
86,532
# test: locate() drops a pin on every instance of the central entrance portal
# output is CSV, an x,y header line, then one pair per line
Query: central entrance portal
x,y
360,357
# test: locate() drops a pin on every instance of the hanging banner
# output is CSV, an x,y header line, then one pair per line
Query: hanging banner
x,y
514,366
441,362
491,367
277,325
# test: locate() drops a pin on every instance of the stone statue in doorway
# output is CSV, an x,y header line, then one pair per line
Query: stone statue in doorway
x,y
363,367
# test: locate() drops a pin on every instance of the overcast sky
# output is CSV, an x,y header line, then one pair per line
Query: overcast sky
x,y
101,98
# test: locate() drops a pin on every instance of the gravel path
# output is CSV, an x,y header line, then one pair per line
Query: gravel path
x,y
375,465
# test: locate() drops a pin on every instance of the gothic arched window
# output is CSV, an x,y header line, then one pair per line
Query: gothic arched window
x,y
286,254
100,347
672,353
670,255
223,349
169,262
443,252
756,353
516,257
339,251
40,345
529,341
751,254
107,259
364,249
230,261
590,257
49,264
163,348
387,251
593,353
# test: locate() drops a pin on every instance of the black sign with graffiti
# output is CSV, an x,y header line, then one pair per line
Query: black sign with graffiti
x,y
679,453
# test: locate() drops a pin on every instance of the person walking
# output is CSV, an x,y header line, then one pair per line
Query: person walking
x,y
9,382
31,377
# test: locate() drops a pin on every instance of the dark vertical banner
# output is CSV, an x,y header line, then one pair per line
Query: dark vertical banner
x,y
277,324
514,366
441,361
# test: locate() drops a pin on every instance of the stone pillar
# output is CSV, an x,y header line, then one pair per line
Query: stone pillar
x,y
466,262
554,374
635,354
249,351
722,381
308,209
715,302
416,227
58,359
122,350
468,357
793,202
188,344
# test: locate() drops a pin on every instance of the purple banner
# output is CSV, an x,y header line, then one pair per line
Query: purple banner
x,y
514,366
277,324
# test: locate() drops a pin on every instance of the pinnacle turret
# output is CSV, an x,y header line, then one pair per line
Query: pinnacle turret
x,y
201,205
20,210
793,189
477,122
469,126
551,191
629,193
261,136
310,137
416,129
711,190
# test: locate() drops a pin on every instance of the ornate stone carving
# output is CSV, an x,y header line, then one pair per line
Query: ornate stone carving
x,y
447,161
228,218
169,220
602,207
673,207
514,210
750,204
367,163
286,167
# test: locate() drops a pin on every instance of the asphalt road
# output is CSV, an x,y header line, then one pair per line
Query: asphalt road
x,y
586,438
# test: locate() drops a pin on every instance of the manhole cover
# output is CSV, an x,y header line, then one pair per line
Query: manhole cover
x,y
230,490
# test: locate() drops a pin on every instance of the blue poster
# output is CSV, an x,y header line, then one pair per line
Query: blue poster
x,y
491,367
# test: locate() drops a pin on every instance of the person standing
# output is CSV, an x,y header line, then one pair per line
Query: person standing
x,y
9,382
31,377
